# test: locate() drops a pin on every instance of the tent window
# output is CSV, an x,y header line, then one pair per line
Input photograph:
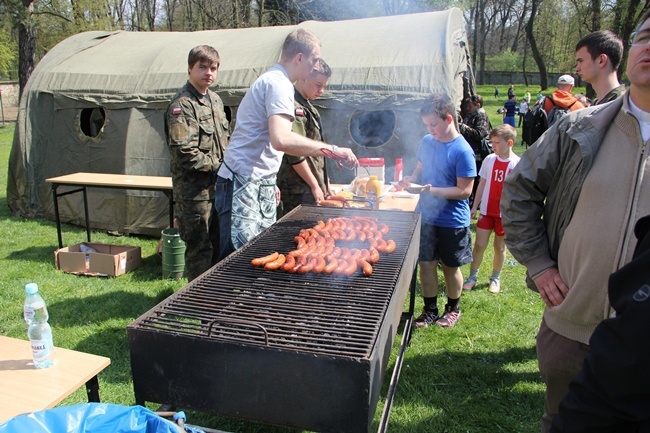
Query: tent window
x,y
372,128
92,121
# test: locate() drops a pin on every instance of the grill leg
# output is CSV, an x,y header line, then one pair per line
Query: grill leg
x,y
406,340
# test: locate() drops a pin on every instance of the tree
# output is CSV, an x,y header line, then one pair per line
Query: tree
x,y
543,78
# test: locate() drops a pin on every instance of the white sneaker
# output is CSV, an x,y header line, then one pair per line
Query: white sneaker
x,y
495,285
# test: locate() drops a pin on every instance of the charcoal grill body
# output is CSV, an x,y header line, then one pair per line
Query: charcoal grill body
x,y
303,351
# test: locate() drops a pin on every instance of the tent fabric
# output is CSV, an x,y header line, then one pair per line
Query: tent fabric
x,y
385,63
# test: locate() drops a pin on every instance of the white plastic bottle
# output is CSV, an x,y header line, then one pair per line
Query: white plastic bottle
x,y
39,332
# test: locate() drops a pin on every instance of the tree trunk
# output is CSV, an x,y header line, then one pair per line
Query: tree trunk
x,y
26,46
595,15
543,78
260,20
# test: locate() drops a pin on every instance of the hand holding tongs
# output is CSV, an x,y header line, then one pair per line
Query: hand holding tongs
x,y
340,158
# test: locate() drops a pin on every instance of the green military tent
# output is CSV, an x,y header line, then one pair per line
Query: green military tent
x,y
95,103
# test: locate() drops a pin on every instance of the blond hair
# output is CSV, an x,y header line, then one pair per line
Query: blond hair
x,y
299,41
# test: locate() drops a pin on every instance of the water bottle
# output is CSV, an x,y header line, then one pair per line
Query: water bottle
x,y
34,304
39,332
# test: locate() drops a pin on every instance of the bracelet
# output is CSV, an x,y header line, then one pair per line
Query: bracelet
x,y
334,148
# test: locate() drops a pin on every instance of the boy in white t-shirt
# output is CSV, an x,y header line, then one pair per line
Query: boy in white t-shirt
x,y
493,172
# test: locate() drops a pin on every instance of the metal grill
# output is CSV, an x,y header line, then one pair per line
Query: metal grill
x,y
317,313
298,350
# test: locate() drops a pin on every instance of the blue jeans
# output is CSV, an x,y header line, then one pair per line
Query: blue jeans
x,y
510,120
223,206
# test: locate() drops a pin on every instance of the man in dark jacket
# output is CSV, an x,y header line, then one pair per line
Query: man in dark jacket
x,y
474,128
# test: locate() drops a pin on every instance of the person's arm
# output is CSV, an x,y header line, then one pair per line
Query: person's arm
x,y
460,191
522,207
478,197
303,170
285,140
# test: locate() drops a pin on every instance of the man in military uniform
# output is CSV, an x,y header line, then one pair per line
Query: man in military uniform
x,y
303,179
197,132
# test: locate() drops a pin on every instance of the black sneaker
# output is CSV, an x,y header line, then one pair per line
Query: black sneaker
x,y
451,316
427,318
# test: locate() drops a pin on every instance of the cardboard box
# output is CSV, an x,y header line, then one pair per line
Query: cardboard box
x,y
109,260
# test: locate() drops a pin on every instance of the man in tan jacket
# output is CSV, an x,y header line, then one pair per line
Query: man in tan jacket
x,y
569,209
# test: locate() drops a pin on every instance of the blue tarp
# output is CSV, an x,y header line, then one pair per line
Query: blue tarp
x,y
90,418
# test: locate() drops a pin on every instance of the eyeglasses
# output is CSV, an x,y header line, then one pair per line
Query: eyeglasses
x,y
640,40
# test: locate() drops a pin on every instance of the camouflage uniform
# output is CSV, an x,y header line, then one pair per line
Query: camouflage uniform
x,y
293,189
197,134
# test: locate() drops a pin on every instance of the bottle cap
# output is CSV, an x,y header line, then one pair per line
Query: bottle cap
x,y
31,288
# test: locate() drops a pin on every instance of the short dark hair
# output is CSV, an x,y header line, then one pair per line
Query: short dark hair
x,y
505,131
203,53
603,42
440,104
474,99
322,69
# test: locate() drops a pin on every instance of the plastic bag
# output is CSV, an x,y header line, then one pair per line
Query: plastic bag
x,y
90,418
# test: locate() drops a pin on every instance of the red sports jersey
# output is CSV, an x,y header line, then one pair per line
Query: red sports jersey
x,y
494,170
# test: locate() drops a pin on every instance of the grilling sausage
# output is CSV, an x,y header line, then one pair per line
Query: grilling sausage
x,y
331,266
352,268
320,265
390,246
275,264
261,261
289,263
366,267
330,203
311,264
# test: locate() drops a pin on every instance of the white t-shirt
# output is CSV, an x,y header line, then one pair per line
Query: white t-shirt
x,y
250,152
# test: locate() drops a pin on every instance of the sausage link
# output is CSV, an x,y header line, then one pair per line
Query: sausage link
x,y
311,264
261,261
320,265
330,203
275,264
390,246
383,228
352,268
366,267
289,263
331,266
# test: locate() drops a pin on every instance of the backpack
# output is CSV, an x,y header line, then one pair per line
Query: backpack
x,y
537,121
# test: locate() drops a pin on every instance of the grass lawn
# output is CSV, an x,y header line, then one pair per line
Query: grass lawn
x,y
480,376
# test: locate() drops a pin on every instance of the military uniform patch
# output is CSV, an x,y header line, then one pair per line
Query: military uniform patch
x,y
179,131
300,112
176,111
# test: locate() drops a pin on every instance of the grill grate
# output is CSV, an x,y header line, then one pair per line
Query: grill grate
x,y
314,313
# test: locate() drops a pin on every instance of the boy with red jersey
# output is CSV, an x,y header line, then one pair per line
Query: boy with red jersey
x,y
493,172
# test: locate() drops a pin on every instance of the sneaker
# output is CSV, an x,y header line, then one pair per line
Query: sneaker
x,y
470,282
451,316
427,318
495,285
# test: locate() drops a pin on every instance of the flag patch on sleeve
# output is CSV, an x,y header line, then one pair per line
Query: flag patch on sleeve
x,y
176,111
300,112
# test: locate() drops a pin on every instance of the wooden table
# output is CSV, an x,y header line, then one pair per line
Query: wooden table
x,y
102,180
26,389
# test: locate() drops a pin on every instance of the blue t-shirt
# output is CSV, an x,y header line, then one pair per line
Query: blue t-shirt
x,y
442,164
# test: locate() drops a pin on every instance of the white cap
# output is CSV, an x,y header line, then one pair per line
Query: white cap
x,y
566,79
